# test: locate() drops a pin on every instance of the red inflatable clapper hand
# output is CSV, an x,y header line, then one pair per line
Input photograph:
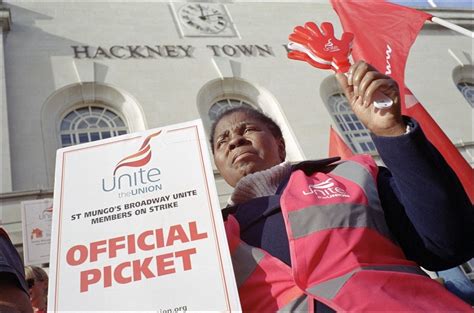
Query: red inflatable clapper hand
x,y
321,49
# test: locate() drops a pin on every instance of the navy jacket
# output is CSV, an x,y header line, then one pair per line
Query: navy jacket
x,y
11,266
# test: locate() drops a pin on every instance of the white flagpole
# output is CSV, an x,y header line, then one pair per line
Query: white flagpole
x,y
452,26
455,57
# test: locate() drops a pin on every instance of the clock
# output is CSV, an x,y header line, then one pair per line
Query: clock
x,y
204,19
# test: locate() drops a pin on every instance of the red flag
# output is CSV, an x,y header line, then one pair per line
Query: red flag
x,y
337,146
384,33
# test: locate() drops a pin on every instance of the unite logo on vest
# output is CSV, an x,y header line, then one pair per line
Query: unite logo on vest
x,y
326,189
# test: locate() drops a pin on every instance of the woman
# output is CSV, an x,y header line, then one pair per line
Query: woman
x,y
37,280
331,236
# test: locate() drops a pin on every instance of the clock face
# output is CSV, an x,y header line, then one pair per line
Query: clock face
x,y
205,18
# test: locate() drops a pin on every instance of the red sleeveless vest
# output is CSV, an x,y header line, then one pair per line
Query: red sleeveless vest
x,y
342,253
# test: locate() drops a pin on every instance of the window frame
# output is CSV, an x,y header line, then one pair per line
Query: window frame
x,y
470,101
356,135
75,134
242,102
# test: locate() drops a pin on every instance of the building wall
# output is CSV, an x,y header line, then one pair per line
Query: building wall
x,y
45,77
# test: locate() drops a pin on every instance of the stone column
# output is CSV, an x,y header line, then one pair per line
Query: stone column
x,y
6,182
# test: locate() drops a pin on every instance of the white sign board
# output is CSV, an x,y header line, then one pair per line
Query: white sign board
x,y
137,226
36,228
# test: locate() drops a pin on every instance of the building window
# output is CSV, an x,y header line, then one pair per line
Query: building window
x,y
468,269
90,123
355,133
467,90
223,105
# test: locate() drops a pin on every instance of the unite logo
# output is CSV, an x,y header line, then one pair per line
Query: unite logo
x,y
139,181
141,158
326,189
46,213
330,46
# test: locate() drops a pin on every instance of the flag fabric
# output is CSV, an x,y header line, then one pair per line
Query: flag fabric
x,y
384,33
337,146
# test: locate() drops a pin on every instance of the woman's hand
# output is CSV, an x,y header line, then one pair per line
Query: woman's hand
x,y
359,87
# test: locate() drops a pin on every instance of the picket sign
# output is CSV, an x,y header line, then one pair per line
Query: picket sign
x,y
137,226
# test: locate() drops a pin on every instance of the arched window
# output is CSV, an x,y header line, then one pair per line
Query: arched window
x,y
69,98
223,105
463,78
355,133
90,123
467,90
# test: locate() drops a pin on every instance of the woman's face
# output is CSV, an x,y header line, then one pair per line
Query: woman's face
x,y
244,145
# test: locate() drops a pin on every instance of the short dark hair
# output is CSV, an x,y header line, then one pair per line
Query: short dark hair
x,y
272,126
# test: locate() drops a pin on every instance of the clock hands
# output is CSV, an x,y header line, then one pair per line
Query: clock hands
x,y
212,14
202,11
204,18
